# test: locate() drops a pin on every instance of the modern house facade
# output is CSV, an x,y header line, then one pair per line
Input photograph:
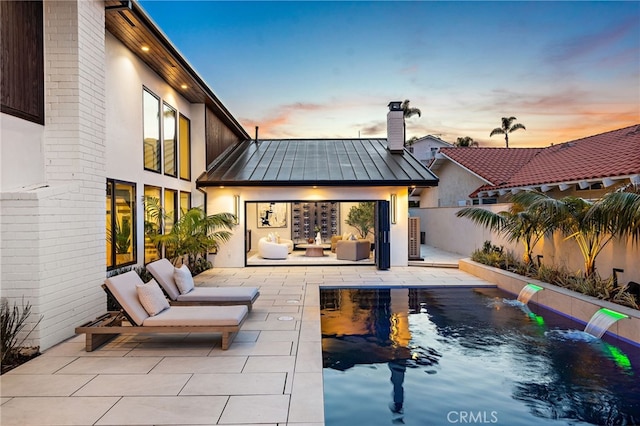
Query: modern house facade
x,y
108,114
102,126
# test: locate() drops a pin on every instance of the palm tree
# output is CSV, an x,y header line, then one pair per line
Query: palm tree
x,y
193,235
621,209
408,112
591,224
466,142
507,127
516,224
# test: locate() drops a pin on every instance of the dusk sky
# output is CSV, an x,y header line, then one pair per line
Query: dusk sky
x,y
328,69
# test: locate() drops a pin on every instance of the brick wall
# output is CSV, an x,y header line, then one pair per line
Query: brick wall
x,y
53,245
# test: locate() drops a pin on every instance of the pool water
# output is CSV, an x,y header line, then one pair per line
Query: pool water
x,y
443,356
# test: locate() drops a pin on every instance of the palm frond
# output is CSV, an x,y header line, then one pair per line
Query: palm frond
x,y
482,217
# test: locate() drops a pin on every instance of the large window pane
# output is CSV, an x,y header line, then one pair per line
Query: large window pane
x,y
152,222
185,202
121,242
170,209
185,148
151,131
169,136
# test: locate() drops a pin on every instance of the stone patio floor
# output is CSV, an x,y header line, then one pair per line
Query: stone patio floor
x,y
271,374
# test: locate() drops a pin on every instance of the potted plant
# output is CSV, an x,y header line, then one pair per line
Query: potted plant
x,y
361,217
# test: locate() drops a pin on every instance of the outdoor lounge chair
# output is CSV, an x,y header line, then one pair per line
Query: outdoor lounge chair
x,y
163,271
174,319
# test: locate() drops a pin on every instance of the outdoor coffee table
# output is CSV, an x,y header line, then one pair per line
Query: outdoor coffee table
x,y
314,250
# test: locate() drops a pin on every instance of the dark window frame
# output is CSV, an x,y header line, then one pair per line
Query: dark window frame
x,y
159,140
188,121
166,107
134,251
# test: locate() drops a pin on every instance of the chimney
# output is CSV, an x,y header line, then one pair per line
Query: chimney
x,y
395,127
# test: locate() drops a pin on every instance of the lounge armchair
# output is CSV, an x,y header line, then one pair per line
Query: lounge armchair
x,y
170,319
164,273
353,249
273,250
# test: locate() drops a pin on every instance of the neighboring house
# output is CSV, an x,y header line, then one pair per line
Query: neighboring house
x,y
586,167
118,114
426,148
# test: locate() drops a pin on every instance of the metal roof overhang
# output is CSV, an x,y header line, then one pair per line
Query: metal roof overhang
x,y
328,163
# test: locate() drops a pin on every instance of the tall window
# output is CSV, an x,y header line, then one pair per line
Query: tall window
x,y
185,147
121,223
170,208
185,202
169,126
152,221
151,131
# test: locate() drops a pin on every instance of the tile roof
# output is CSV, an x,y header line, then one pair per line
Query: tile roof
x,y
606,155
322,162
494,165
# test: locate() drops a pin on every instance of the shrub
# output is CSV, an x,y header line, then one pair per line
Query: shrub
x,y
12,322
593,285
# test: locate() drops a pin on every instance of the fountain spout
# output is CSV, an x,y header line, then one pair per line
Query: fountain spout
x,y
527,292
601,321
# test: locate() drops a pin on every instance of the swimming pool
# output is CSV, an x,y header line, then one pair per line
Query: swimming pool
x,y
443,356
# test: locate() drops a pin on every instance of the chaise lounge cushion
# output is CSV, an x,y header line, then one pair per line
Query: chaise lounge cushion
x,y
123,287
163,271
183,279
152,298
199,316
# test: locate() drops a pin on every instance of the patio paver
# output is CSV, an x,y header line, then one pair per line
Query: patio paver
x,y
271,374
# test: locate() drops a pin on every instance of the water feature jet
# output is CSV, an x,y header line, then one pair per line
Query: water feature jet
x,y
602,320
527,292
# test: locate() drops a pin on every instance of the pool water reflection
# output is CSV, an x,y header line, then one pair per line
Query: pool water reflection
x,y
443,356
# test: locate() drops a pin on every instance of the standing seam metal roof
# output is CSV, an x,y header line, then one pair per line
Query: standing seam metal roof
x,y
327,162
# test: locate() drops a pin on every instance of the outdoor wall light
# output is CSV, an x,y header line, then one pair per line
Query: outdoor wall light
x,y
394,208
236,208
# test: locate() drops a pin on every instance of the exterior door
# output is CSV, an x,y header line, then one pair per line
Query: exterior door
x,y
383,226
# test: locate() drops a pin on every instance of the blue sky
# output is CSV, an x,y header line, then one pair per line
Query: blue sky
x,y
328,69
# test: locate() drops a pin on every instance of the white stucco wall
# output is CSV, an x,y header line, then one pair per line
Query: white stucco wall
x,y
455,185
126,77
232,254
421,149
21,153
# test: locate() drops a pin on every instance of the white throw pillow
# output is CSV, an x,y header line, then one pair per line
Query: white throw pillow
x,y
183,279
346,236
152,298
